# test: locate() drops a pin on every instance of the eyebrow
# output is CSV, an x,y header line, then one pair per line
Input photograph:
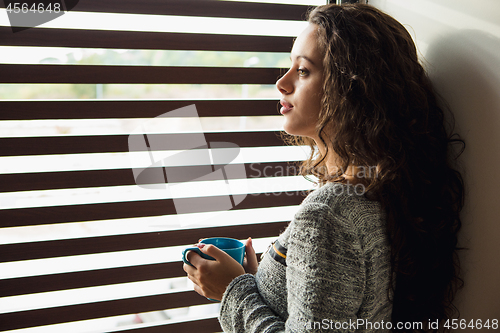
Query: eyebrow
x,y
304,57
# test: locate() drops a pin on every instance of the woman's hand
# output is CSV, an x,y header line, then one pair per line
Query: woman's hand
x,y
211,277
250,263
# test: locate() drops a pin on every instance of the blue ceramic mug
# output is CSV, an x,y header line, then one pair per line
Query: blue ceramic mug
x,y
231,246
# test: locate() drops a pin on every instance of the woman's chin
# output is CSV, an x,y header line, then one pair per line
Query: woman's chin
x,y
289,130
293,130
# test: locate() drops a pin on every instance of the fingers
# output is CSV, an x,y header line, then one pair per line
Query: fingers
x,y
192,275
249,249
194,258
215,252
252,263
198,289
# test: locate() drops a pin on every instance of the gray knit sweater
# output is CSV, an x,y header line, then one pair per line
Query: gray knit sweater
x,y
336,272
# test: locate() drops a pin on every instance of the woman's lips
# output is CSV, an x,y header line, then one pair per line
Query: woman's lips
x,y
285,107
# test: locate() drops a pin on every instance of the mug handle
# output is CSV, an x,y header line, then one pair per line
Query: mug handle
x,y
185,251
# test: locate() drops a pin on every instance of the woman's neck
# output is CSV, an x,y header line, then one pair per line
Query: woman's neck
x,y
333,166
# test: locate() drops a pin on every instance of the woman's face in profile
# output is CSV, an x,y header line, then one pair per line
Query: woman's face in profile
x,y
301,87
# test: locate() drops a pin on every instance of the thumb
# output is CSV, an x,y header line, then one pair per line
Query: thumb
x,y
251,258
214,252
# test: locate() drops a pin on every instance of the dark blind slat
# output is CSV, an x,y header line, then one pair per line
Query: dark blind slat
x,y
143,40
91,245
48,316
209,325
97,178
61,180
73,280
99,109
105,211
119,143
198,326
91,74
206,8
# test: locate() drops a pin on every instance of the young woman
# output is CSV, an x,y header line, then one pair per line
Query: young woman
x,y
378,259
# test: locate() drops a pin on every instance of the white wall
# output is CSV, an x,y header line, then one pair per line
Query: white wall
x,y
459,41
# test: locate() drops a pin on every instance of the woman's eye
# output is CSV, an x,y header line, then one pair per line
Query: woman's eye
x,y
302,72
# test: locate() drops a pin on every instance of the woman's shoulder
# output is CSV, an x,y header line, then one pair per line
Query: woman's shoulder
x,y
340,197
334,215
337,202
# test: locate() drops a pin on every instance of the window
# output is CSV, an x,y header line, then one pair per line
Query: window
x,y
83,248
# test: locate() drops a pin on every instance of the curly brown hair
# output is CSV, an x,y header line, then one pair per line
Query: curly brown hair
x,y
379,110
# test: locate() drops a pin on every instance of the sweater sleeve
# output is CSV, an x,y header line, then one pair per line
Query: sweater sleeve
x,y
244,310
325,280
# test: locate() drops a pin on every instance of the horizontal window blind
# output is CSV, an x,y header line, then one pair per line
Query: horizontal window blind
x,y
83,248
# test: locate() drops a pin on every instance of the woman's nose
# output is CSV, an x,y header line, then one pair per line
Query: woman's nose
x,y
284,84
